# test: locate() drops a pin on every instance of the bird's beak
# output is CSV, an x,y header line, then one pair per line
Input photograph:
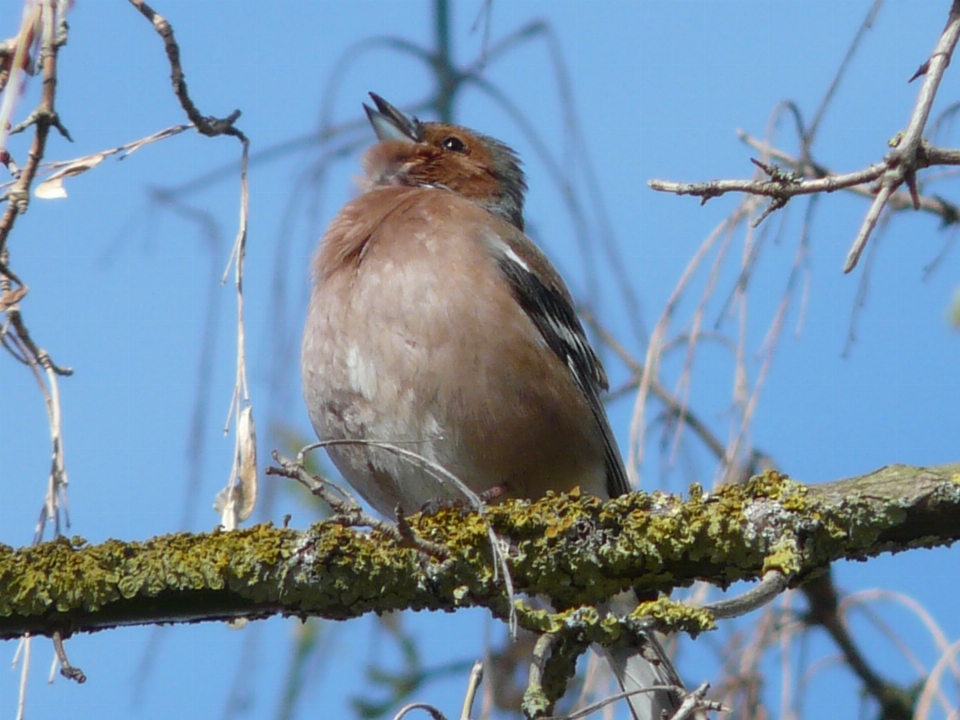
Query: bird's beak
x,y
391,124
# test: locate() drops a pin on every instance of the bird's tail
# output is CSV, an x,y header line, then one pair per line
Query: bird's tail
x,y
640,664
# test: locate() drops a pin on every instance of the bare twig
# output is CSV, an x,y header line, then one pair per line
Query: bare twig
x,y
863,600
22,655
673,405
66,669
910,153
695,704
933,685
427,708
823,611
43,118
60,170
773,583
658,339
43,27
473,685
780,186
243,472
946,211
346,508
810,132
441,475
205,124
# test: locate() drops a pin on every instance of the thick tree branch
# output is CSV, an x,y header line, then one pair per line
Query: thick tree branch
x,y
576,550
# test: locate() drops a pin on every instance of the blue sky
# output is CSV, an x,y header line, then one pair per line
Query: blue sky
x,y
119,284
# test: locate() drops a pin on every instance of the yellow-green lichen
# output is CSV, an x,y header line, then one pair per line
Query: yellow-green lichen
x,y
784,556
573,549
674,616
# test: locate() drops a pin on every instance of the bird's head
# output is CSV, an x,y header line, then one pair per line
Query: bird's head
x,y
432,154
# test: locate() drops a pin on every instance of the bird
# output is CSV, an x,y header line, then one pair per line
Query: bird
x,y
435,324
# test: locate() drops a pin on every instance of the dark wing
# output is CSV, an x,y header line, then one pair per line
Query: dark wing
x,y
549,306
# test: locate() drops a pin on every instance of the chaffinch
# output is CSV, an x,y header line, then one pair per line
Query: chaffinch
x,y
437,325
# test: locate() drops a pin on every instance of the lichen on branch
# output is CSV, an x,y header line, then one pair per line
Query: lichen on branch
x,y
574,549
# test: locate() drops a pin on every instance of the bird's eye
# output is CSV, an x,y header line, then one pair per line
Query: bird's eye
x,y
453,144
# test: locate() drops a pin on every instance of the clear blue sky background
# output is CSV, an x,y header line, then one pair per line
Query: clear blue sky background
x,y
119,284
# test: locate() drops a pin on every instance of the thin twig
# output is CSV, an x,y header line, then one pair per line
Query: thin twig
x,y
473,685
773,583
44,28
910,154
824,611
673,405
782,187
810,132
206,125
347,510
43,118
429,709
66,669
243,470
946,211
444,476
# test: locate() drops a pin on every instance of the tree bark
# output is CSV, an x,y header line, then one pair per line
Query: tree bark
x,y
576,550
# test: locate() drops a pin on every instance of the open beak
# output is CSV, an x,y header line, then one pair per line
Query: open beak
x,y
391,124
